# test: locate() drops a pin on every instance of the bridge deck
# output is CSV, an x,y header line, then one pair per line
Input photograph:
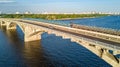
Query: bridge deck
x,y
83,37
73,33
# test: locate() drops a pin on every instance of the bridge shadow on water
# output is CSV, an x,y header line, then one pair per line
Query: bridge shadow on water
x,y
50,51
22,54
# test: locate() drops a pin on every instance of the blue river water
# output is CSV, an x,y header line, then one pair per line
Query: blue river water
x,y
110,22
51,51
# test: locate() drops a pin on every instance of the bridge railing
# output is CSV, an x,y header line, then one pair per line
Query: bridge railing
x,y
91,28
97,29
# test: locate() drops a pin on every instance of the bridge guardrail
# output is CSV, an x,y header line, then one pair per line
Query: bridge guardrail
x,y
97,29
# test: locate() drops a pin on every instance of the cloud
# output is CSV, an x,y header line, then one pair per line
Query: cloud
x,y
6,1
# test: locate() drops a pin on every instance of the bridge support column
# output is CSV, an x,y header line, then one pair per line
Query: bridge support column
x,y
110,58
116,52
100,51
11,26
2,23
32,34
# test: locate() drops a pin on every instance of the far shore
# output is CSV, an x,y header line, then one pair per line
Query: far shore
x,y
74,18
53,16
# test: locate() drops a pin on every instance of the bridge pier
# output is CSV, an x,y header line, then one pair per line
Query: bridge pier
x,y
11,26
3,23
36,37
108,57
102,53
116,52
32,34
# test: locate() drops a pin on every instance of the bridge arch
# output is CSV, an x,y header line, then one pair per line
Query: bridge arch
x,y
11,25
31,33
2,23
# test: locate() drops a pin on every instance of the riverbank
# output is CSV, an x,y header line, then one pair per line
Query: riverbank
x,y
53,16
74,18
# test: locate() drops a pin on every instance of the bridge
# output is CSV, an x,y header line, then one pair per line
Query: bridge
x,y
98,43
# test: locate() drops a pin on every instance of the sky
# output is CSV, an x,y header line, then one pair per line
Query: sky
x,y
59,6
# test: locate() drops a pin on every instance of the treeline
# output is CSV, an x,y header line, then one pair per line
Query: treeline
x,y
51,16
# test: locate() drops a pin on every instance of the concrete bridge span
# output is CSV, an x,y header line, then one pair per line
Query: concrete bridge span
x,y
30,33
100,46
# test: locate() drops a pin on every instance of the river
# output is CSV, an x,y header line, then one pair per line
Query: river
x,y
50,51
109,22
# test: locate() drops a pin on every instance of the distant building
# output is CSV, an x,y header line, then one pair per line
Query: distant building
x,y
17,13
45,13
27,12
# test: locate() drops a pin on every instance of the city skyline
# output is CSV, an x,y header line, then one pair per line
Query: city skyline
x,y
59,6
